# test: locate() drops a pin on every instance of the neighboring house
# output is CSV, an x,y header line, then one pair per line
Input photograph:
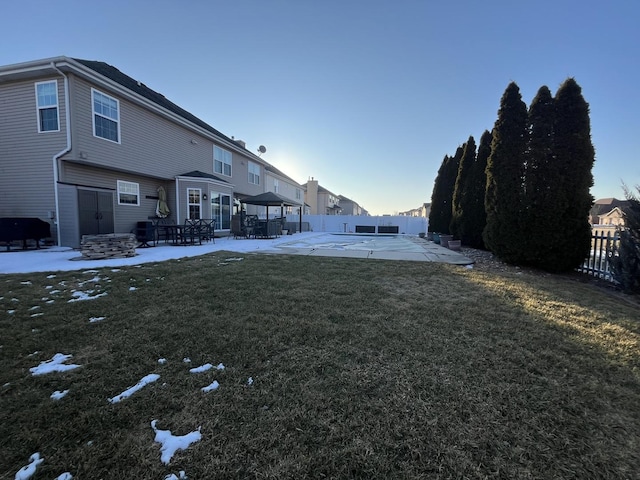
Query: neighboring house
x,y
320,200
422,211
278,182
608,211
349,207
87,148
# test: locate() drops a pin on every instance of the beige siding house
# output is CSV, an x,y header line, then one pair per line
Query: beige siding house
x,y
87,148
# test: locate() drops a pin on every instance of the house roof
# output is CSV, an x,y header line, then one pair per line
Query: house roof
x,y
199,174
605,205
140,88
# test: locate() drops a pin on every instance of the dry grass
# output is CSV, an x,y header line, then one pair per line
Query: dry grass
x,y
361,370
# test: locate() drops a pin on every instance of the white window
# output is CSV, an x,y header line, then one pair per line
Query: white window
x,y
276,186
106,116
254,173
128,193
221,161
47,102
298,194
194,206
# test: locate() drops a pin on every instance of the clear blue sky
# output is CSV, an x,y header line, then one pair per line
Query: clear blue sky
x,y
366,96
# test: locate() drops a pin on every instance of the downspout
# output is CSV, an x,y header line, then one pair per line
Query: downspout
x,y
67,149
177,201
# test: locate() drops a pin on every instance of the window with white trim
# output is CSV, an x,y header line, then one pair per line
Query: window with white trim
x,y
221,161
298,194
106,116
194,205
47,104
254,173
128,193
276,185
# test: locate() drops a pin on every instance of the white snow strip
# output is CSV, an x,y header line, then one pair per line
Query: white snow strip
x,y
186,360
64,476
131,289
220,366
56,364
96,319
181,476
26,283
152,377
171,443
51,276
250,381
79,296
202,368
35,307
209,388
162,361
57,395
27,471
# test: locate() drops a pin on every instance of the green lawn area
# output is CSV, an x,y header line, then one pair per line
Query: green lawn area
x,y
360,369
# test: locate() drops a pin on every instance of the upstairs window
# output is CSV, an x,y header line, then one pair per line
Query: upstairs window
x,y
254,173
276,186
128,193
106,116
47,102
221,161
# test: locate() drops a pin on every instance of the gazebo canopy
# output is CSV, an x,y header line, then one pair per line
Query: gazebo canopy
x,y
271,199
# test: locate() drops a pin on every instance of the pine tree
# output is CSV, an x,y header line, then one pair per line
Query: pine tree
x,y
624,260
475,214
505,170
440,216
574,157
542,172
461,201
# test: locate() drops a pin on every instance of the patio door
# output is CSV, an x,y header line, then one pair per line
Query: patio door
x,y
221,210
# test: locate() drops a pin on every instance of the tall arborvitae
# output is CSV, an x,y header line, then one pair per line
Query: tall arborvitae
x,y
440,216
505,169
574,155
475,215
542,173
437,202
461,199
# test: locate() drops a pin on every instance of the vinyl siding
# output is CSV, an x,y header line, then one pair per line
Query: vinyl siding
x,y
126,216
149,144
26,165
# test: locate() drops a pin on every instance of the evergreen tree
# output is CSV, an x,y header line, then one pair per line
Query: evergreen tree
x,y
624,260
475,215
542,172
574,157
440,216
461,201
505,170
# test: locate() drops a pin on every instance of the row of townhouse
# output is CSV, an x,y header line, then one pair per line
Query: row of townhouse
x,y
90,149
321,201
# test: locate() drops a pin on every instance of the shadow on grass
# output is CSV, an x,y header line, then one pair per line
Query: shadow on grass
x,y
361,370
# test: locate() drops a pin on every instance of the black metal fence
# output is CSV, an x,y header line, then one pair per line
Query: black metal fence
x,y
597,265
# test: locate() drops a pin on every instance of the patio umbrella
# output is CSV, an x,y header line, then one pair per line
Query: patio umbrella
x,y
162,209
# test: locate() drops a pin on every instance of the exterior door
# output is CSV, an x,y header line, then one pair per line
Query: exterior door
x,y
96,212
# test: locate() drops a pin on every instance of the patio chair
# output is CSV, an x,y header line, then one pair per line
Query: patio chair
x,y
145,233
190,232
207,229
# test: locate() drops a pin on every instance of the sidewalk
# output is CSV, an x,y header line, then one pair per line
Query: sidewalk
x,y
307,243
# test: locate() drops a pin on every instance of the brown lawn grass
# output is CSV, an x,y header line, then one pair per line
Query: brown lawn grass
x,y
362,369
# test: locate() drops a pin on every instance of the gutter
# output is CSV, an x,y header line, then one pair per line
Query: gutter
x,y
67,149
